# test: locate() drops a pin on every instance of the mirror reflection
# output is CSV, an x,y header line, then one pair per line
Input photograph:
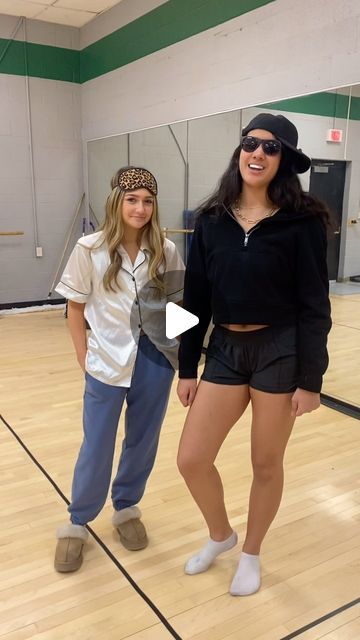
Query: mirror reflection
x,y
188,159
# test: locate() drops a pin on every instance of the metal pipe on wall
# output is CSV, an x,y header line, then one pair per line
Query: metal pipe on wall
x,y
185,159
66,244
31,148
347,123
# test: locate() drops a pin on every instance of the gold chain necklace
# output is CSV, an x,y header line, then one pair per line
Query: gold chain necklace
x,y
268,214
247,208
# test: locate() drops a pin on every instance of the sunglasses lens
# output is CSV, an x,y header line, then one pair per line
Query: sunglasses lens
x,y
249,143
271,147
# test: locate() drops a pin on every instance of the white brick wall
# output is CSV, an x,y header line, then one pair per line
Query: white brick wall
x,y
284,49
57,150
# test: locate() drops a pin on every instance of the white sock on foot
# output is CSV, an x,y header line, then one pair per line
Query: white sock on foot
x,y
247,577
202,560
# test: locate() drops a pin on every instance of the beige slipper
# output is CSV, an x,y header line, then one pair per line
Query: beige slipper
x,y
131,530
69,548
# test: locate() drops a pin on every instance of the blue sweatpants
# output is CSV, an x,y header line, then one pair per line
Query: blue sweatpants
x,y
146,400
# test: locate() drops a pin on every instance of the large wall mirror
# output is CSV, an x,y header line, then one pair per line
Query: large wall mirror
x,y
189,157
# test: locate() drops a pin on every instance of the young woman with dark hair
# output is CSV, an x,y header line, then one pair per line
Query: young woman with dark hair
x,y
257,266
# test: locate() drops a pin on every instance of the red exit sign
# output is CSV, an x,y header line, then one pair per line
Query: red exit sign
x,y
334,135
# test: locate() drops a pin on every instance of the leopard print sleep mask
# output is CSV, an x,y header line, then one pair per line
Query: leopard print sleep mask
x,y
137,179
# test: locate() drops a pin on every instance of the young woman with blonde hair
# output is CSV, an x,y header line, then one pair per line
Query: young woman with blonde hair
x,y
116,280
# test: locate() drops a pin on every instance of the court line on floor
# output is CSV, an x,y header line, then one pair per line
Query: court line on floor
x,y
318,621
126,575
329,401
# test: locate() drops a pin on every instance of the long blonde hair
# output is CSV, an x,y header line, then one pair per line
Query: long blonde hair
x,y
113,229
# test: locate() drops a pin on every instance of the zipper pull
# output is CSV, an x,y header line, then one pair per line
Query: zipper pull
x,y
246,239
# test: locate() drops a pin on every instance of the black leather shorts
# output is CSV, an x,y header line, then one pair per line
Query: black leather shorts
x,y
265,359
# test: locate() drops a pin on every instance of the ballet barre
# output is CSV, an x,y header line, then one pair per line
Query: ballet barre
x,y
11,233
166,230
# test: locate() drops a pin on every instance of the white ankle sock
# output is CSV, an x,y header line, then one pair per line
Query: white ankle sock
x,y
247,577
202,560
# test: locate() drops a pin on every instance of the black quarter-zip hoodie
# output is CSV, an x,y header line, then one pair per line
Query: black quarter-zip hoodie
x,y
274,274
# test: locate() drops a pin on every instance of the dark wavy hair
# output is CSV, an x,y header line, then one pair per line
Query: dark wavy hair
x,y
285,190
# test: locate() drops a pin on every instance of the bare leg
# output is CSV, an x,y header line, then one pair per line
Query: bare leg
x,y
271,429
214,411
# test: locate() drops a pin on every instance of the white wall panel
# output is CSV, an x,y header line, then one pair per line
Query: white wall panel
x,y
281,50
57,152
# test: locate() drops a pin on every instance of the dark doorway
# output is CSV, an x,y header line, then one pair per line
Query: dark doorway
x,y
327,182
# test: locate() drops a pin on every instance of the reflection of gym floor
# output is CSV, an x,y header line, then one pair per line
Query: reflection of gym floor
x,y
310,559
342,379
345,288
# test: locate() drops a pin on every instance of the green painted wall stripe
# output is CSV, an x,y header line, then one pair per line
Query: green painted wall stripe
x,y
44,61
334,105
172,22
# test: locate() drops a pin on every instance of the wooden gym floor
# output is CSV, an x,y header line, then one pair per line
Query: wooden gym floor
x,y
310,558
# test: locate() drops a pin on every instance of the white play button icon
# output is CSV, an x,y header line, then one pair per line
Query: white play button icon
x,y
178,320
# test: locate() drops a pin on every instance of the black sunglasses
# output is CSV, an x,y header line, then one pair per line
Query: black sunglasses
x,y
269,147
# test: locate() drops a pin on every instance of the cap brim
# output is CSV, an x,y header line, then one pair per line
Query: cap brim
x,y
301,162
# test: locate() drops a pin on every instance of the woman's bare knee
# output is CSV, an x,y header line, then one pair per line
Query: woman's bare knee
x,y
266,469
184,463
191,465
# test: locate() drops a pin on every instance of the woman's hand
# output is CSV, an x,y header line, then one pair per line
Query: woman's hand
x,y
81,357
186,391
77,326
304,402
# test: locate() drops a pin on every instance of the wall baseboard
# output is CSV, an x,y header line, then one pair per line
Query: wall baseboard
x,y
31,303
